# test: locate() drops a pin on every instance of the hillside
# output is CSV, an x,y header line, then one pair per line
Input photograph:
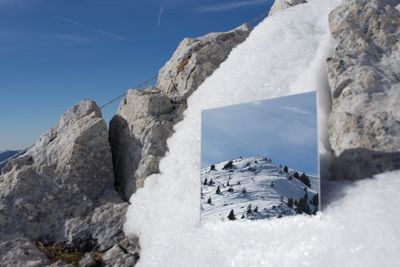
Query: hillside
x,y
254,188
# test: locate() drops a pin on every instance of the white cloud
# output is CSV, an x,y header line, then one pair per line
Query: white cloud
x,y
229,6
299,110
76,23
160,13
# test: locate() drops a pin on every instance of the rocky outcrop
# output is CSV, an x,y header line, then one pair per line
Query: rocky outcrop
x,y
61,190
21,252
283,4
145,119
364,76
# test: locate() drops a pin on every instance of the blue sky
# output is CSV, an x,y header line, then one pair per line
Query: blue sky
x,y
282,128
56,52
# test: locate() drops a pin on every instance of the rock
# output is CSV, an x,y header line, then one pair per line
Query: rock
x,y
123,253
283,4
364,76
100,230
66,174
21,252
196,59
145,119
61,192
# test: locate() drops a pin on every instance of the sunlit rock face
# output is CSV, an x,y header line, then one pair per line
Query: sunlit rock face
x,y
283,4
61,190
364,76
145,120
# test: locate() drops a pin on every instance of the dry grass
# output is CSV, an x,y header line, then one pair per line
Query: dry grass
x,y
181,65
57,252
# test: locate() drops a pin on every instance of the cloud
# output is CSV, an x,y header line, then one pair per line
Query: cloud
x,y
299,110
229,6
70,21
160,13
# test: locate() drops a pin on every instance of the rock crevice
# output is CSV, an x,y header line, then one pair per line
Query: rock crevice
x,y
145,119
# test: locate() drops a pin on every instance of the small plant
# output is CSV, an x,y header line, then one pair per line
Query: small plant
x,y
56,252
238,183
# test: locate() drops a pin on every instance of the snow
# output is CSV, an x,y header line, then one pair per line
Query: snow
x,y
267,187
359,229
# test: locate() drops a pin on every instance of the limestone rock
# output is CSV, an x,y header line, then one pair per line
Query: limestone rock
x,y
364,76
283,4
196,59
21,252
61,191
66,174
145,119
100,230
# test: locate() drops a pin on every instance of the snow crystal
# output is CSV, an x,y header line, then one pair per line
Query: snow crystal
x,y
284,54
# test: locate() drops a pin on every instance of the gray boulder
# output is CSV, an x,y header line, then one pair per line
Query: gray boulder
x,y
21,252
61,191
283,4
145,119
364,76
67,173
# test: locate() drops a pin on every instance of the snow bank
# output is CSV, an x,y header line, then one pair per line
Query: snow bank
x,y
283,55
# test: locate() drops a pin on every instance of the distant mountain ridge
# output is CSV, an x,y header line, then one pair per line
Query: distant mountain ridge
x,y
6,154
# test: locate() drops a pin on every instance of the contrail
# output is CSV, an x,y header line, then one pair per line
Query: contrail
x,y
160,13
91,28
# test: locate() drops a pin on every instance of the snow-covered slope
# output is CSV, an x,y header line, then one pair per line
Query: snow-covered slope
x,y
285,51
251,184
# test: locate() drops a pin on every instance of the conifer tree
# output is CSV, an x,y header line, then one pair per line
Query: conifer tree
x,y
231,215
285,169
205,182
249,209
290,202
212,167
256,209
218,190
314,200
209,200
